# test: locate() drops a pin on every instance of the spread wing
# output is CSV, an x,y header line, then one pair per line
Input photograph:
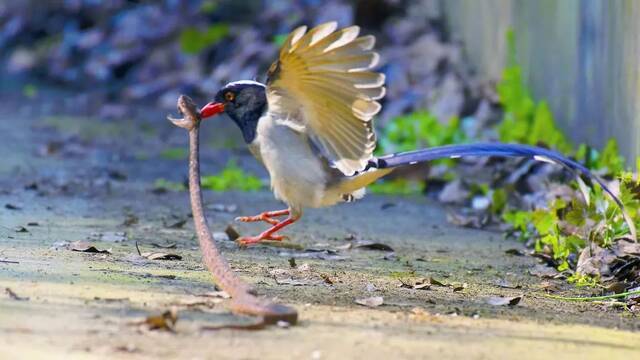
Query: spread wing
x,y
323,82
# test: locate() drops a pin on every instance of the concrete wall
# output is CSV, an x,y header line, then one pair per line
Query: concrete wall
x,y
582,56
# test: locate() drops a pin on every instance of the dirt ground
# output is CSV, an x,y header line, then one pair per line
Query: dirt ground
x,y
64,179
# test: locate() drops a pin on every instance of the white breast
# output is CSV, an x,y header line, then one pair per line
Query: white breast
x,y
298,176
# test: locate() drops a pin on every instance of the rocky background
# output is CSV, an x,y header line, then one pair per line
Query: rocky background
x,y
117,53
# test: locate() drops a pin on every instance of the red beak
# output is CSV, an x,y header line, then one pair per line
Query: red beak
x,y
211,109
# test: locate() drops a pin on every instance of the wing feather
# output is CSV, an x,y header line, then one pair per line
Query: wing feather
x,y
323,80
292,39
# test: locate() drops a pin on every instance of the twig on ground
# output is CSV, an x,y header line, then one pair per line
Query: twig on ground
x,y
593,298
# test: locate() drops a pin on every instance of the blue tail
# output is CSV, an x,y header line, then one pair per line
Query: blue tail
x,y
497,149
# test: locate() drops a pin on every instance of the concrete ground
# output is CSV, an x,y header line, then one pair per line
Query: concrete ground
x,y
65,179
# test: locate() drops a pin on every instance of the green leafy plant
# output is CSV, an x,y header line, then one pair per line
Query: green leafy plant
x,y
168,185
583,280
417,130
231,177
608,161
524,120
563,228
397,186
194,40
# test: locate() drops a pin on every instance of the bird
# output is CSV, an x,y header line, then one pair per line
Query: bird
x,y
311,126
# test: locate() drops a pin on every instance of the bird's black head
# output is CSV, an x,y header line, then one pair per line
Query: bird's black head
x,y
244,102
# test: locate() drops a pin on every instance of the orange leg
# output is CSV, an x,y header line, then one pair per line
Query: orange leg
x,y
266,216
269,234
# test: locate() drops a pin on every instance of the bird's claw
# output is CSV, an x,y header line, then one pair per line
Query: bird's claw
x,y
262,217
248,240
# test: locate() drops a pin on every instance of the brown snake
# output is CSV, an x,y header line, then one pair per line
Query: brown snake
x,y
243,300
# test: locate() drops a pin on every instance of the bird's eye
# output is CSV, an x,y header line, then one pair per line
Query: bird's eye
x,y
229,96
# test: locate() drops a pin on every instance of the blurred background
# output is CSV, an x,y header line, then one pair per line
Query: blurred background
x,y
111,55
439,55
96,79
88,66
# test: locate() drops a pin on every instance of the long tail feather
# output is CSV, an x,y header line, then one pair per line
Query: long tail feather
x,y
497,149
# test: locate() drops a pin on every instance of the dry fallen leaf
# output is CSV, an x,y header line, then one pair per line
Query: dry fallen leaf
x,y
164,246
435,282
177,224
373,301
422,284
515,252
232,233
326,279
617,287
373,246
165,321
15,296
459,287
83,246
160,256
503,301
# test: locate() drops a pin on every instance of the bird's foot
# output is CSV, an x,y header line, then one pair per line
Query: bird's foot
x,y
270,233
266,216
248,240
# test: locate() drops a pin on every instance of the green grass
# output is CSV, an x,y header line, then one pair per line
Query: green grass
x,y
169,185
594,298
231,177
